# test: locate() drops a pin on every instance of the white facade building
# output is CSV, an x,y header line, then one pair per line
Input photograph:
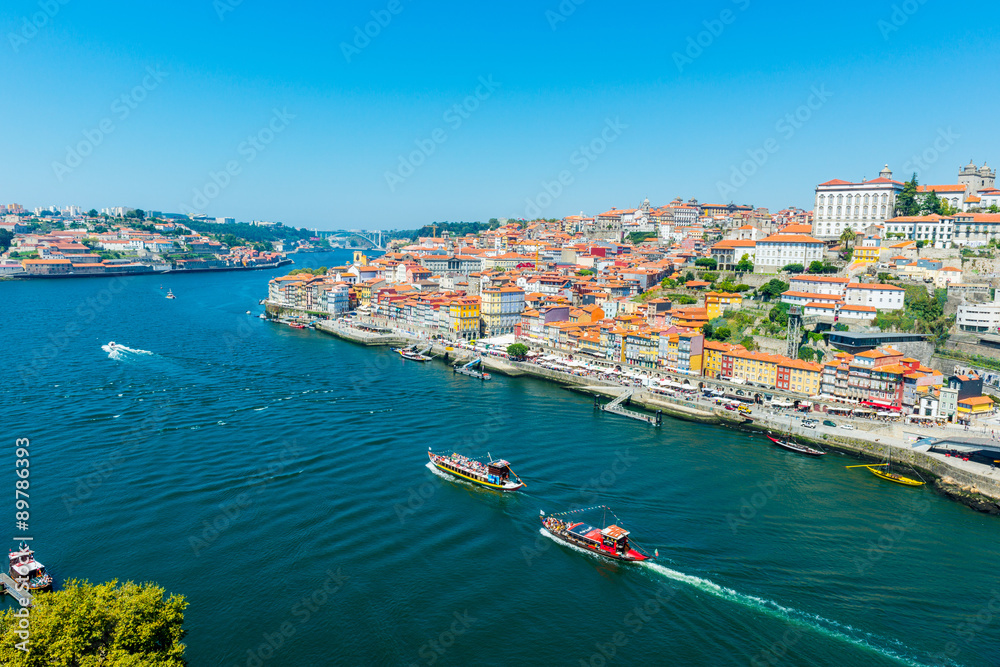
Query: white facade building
x,y
875,295
841,204
935,230
979,317
780,250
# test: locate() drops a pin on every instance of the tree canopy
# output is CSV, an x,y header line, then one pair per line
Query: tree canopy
x,y
773,289
517,350
793,268
103,625
706,262
745,265
6,238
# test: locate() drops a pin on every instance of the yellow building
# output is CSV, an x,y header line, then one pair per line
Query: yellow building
x,y
463,317
712,357
756,367
717,303
868,251
975,406
799,376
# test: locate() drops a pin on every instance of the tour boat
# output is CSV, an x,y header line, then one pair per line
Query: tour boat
x,y
611,542
26,570
884,470
796,447
412,355
493,475
170,294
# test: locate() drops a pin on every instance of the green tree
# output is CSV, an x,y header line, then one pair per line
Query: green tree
x,y
749,343
745,265
92,213
722,333
847,237
807,354
517,350
111,625
779,314
706,262
993,209
6,238
907,202
793,268
815,266
668,283
708,331
931,204
773,289
710,276
584,272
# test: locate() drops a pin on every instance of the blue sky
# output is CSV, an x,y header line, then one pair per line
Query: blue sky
x,y
258,110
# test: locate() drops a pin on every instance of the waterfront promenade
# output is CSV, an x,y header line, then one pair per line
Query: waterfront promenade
x,y
972,483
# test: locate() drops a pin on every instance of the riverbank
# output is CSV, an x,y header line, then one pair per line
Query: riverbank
x,y
868,441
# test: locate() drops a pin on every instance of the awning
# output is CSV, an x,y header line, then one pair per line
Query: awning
x,y
884,406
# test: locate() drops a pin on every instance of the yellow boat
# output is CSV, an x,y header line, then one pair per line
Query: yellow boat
x,y
892,476
887,473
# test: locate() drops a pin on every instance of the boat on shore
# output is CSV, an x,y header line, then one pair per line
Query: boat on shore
x,y
27,571
495,474
610,542
796,447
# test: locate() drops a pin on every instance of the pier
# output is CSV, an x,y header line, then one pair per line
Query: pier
x,y
615,407
10,586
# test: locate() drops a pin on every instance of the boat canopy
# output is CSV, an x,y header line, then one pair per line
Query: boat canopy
x,y
583,530
616,533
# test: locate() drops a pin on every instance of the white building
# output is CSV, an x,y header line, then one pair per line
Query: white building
x,y
780,250
979,317
826,285
934,230
842,204
876,295
225,221
989,197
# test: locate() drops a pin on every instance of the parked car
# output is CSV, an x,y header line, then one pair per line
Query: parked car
x,y
849,427
809,424
830,423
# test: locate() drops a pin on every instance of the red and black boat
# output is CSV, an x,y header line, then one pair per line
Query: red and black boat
x,y
611,542
796,447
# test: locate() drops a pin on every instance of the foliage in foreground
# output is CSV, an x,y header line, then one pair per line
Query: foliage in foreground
x,y
106,625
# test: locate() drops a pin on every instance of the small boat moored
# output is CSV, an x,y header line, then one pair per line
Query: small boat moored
x,y
496,474
884,471
611,542
27,571
796,447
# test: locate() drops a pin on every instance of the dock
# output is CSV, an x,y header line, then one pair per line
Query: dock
x,y
615,407
10,587
470,369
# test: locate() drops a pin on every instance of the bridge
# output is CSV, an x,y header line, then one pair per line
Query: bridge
x,y
375,238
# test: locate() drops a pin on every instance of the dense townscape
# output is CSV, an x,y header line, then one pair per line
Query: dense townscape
x,y
729,292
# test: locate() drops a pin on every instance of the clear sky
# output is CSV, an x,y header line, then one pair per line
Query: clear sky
x,y
286,111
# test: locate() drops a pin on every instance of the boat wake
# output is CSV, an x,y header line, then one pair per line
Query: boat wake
x,y
814,622
122,352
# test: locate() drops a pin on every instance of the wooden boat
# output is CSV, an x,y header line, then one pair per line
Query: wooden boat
x,y
493,475
611,542
796,447
884,471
